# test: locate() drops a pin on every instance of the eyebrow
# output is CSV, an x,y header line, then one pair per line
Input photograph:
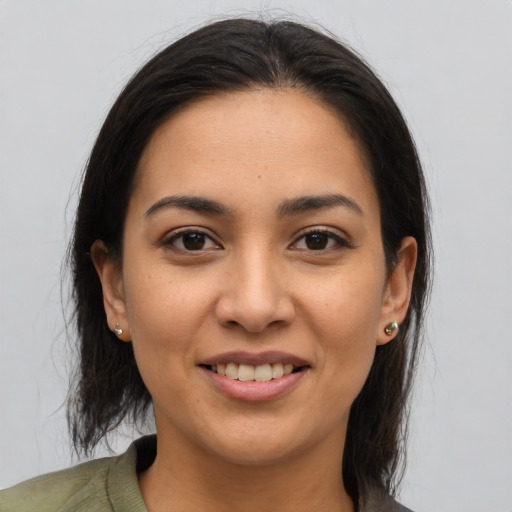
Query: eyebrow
x,y
193,203
313,203
287,208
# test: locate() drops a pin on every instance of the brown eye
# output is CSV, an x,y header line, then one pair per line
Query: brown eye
x,y
194,241
191,241
316,241
320,240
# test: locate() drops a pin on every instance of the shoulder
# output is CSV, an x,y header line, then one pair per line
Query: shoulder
x,y
54,490
108,484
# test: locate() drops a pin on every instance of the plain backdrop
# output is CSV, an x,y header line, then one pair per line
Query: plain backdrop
x,y
448,64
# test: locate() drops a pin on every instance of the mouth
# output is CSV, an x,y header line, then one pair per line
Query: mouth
x,y
258,373
252,377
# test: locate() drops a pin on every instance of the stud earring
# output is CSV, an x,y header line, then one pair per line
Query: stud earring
x,y
118,329
391,328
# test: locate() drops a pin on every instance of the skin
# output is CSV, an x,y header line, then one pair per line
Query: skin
x,y
252,283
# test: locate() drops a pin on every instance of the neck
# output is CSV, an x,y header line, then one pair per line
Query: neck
x,y
186,478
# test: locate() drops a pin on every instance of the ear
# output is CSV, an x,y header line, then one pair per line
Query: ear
x,y
397,292
111,279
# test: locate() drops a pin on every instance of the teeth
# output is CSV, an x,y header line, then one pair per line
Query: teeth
x,y
232,371
247,372
263,373
277,371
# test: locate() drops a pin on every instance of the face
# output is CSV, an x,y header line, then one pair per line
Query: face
x,y
252,248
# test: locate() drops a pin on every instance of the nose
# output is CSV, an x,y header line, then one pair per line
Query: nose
x,y
255,295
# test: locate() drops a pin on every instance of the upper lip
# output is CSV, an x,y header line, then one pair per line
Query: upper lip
x,y
255,359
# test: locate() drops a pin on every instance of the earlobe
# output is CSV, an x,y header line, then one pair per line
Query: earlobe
x,y
397,293
111,280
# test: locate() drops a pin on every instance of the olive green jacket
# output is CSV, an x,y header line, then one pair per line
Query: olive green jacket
x,y
110,484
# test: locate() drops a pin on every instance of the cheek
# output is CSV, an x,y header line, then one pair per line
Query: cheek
x,y
164,320
346,317
347,305
165,312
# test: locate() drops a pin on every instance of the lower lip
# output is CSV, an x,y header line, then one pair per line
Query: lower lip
x,y
253,391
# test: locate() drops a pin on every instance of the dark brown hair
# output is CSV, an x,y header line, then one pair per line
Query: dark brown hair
x,y
235,55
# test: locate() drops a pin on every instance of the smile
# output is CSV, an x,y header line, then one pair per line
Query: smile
x,y
247,372
255,377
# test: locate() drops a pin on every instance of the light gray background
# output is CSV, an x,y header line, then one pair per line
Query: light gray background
x,y
448,63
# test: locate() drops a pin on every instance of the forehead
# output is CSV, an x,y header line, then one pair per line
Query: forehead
x,y
254,144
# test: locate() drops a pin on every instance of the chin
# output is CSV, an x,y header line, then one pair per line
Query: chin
x,y
260,445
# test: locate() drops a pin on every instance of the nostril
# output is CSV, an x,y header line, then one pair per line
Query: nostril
x,y
253,311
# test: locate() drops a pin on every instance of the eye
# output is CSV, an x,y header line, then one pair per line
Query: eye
x,y
191,240
319,240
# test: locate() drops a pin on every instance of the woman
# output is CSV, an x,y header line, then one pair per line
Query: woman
x,y
251,259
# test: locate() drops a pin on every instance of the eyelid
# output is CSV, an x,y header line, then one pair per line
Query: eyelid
x,y
341,240
169,238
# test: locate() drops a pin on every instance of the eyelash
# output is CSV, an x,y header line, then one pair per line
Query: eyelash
x,y
339,241
170,241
